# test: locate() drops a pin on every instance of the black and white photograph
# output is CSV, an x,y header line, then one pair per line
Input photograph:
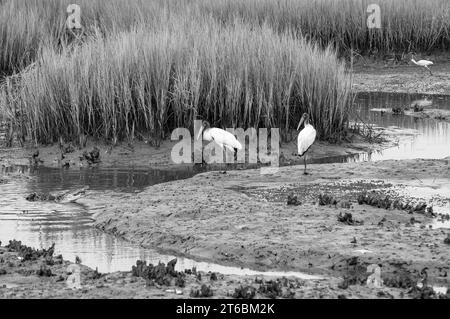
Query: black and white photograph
x,y
252,151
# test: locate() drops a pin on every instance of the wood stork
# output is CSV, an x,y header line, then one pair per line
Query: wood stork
x,y
219,136
306,138
423,63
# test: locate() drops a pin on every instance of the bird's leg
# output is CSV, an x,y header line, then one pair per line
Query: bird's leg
x,y
304,161
203,160
429,70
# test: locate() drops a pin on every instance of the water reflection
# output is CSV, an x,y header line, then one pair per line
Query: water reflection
x,y
432,140
69,225
126,180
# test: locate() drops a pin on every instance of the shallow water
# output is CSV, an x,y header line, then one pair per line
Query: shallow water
x,y
69,225
432,140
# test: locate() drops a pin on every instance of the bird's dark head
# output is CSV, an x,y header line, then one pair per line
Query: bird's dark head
x,y
205,125
305,119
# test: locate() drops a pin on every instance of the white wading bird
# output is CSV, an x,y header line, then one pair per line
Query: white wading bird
x,y
424,63
305,138
219,136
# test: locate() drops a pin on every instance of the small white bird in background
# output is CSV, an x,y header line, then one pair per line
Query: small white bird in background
x,y
423,63
306,138
219,136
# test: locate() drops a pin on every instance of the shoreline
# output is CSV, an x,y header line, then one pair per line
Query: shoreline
x,y
140,155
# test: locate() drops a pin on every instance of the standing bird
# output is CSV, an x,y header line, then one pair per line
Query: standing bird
x,y
221,137
306,138
424,63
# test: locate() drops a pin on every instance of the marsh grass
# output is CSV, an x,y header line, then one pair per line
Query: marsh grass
x,y
27,26
155,80
153,65
407,25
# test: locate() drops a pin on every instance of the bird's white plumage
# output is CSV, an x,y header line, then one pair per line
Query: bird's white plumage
x,y
222,137
422,62
305,139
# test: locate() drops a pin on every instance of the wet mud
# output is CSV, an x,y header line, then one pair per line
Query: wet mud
x,y
38,278
351,216
385,76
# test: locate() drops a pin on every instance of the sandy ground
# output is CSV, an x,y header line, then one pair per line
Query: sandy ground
x,y
403,76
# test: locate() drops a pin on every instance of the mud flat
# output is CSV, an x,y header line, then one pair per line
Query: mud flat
x,y
404,77
46,277
242,218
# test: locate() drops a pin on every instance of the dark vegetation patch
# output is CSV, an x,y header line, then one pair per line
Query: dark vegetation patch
x,y
447,240
327,199
339,192
347,219
381,200
28,253
204,291
92,157
293,200
244,292
43,197
44,271
160,274
213,276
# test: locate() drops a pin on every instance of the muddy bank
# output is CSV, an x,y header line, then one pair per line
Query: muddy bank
x,y
402,76
142,155
242,218
370,76
42,276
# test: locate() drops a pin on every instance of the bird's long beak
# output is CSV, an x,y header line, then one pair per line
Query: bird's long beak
x,y
300,123
200,132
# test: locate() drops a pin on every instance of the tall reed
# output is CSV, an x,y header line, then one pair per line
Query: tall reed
x,y
164,77
406,25
26,26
